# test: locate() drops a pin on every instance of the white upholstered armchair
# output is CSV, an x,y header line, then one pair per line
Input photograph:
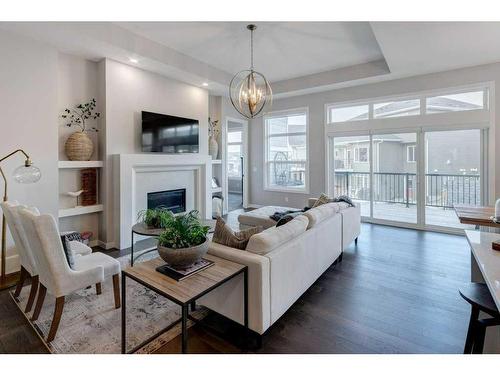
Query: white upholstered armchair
x,y
55,275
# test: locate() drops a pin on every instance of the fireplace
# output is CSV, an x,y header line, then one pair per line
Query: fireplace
x,y
173,200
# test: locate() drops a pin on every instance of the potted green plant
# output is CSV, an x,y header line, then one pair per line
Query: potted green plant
x,y
154,217
184,241
79,146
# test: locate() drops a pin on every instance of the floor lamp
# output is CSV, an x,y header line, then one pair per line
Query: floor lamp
x,y
24,174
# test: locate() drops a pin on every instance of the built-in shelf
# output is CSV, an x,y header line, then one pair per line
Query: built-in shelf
x,y
82,210
80,164
217,190
216,161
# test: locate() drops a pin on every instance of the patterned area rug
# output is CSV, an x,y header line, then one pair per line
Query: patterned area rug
x,y
90,323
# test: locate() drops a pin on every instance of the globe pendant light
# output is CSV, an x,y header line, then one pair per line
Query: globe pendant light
x,y
250,93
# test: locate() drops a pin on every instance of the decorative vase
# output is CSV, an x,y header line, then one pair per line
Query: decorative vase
x,y
213,147
79,147
185,257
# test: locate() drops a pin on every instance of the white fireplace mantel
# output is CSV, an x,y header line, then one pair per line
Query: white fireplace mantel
x,y
133,171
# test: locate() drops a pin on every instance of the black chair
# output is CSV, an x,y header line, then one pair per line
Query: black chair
x,y
480,299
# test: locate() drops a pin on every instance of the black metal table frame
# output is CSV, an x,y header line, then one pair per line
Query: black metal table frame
x,y
132,260
184,306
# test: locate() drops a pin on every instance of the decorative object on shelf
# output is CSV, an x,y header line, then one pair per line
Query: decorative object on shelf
x,y
75,194
79,146
497,210
250,92
213,132
184,241
89,186
86,236
24,174
214,183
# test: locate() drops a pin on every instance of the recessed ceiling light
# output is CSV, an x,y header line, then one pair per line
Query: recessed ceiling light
x,y
204,84
135,61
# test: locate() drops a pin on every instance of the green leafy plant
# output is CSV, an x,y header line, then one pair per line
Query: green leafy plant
x,y
185,230
79,115
155,218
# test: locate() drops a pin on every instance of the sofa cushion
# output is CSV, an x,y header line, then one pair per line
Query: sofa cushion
x,y
224,235
265,242
317,214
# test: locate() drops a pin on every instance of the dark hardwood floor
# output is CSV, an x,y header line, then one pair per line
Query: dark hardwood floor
x,y
396,292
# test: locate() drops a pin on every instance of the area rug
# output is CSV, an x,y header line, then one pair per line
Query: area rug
x,y
91,325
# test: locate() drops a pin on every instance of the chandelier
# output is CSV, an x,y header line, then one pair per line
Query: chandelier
x,y
250,93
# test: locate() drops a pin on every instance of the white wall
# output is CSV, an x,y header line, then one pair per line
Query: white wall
x,y
316,103
28,110
128,91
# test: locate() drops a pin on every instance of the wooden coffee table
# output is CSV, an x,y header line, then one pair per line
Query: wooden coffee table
x,y
184,293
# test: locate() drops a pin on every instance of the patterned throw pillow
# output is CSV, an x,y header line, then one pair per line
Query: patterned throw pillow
x,y
226,236
323,199
66,237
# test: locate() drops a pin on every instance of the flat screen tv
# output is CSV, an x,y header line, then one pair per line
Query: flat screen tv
x,y
169,134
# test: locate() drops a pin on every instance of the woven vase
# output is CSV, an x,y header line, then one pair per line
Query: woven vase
x,y
79,147
213,147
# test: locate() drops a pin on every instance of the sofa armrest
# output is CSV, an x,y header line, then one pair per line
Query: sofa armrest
x,y
228,298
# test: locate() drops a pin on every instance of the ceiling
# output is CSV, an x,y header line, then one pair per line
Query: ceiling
x,y
297,57
282,50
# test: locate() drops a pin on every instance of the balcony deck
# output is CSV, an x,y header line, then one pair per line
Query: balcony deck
x,y
444,217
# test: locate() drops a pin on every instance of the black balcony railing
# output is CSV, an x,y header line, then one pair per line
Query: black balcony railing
x,y
442,190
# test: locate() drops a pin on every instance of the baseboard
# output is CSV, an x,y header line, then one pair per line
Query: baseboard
x,y
105,245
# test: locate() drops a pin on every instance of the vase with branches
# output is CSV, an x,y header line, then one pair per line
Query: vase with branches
x,y
79,146
79,115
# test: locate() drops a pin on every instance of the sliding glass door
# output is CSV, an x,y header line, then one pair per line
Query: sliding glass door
x,y
395,160
452,174
385,172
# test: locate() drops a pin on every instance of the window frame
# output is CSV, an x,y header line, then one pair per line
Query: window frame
x,y
414,153
266,161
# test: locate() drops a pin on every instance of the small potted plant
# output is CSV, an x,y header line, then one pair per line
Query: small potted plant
x,y
79,146
184,241
155,218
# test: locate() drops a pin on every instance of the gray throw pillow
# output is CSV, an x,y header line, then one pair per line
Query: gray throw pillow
x,y
66,238
224,235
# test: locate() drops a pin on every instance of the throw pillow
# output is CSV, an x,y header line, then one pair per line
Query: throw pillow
x,y
323,199
224,235
288,217
65,239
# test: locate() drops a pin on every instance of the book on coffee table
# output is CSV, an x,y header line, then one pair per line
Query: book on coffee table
x,y
181,274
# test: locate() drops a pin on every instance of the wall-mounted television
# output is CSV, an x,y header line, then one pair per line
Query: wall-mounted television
x,y
169,134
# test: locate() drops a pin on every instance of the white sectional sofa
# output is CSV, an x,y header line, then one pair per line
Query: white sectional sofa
x,y
283,263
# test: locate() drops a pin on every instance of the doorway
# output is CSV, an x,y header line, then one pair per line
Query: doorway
x,y
236,164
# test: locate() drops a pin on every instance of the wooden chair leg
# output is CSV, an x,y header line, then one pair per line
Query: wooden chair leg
x,y
98,288
57,318
20,283
39,302
33,290
116,290
474,315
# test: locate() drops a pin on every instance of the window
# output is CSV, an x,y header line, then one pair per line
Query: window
x,y
351,113
464,101
286,152
234,153
416,105
397,108
411,157
361,155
